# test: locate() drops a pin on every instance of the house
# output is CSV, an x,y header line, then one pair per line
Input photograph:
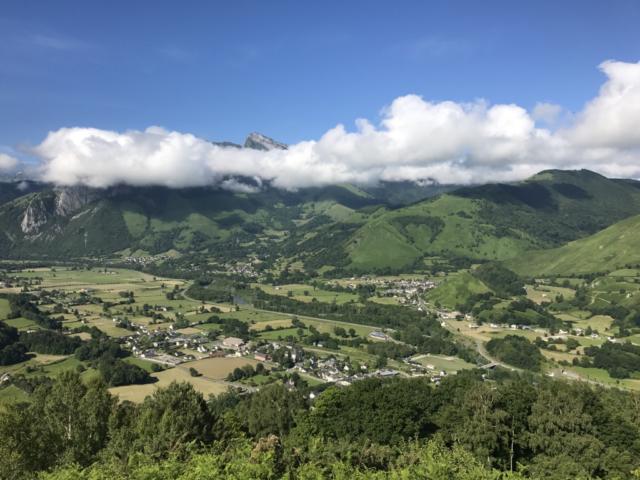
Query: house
x,y
262,357
378,335
233,343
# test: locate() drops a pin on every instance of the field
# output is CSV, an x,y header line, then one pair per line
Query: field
x,y
456,289
21,323
452,289
137,393
4,308
65,277
298,293
218,368
545,293
439,362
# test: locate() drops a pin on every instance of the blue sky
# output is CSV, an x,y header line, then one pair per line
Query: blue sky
x,y
291,69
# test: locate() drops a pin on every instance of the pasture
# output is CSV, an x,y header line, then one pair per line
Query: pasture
x,y
441,362
137,393
218,368
306,293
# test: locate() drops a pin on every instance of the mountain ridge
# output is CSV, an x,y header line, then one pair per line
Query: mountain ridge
x,y
397,226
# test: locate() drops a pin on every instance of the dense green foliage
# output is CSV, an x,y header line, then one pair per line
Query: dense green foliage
x,y
517,351
619,359
22,305
10,351
501,280
50,342
466,428
117,372
106,356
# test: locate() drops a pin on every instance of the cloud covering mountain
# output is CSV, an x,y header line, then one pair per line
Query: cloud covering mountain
x,y
415,139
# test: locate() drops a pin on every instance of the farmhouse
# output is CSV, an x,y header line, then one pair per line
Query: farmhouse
x,y
233,343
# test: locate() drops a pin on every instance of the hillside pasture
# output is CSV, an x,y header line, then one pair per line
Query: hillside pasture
x,y
218,368
298,293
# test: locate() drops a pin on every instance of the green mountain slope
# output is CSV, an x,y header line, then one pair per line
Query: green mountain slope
x,y
353,228
494,222
607,250
77,222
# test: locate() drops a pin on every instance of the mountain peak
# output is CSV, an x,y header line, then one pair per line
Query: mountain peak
x,y
258,141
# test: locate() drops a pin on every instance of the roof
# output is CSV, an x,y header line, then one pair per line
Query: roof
x,y
233,341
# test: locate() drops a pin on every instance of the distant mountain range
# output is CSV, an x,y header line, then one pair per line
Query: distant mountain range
x,y
256,141
358,228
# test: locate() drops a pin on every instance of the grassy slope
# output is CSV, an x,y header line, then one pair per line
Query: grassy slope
x,y
456,289
607,250
498,221
446,225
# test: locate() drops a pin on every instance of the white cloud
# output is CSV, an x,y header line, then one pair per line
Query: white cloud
x,y
7,162
611,119
548,113
416,139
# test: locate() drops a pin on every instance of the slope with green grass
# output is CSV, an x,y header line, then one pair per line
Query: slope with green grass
x,y
607,250
456,289
495,221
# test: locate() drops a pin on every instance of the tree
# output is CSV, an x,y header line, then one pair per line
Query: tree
x,y
172,418
66,421
272,410
477,423
562,432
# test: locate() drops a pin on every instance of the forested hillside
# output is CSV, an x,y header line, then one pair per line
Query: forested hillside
x,y
467,428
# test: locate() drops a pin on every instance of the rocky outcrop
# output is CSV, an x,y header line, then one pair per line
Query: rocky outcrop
x,y
71,199
35,216
257,141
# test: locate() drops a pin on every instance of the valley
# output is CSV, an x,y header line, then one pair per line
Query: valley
x,y
240,295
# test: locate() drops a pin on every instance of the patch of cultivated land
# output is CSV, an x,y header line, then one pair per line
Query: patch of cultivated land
x,y
260,326
441,362
544,293
601,376
4,308
298,293
137,393
21,323
218,368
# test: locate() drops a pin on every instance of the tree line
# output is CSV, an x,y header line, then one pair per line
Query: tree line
x,y
469,427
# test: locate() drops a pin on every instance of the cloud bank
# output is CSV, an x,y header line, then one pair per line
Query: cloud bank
x,y
7,162
415,139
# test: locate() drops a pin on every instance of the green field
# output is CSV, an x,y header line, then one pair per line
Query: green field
x,y
439,362
4,308
456,289
547,293
298,293
144,364
21,323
